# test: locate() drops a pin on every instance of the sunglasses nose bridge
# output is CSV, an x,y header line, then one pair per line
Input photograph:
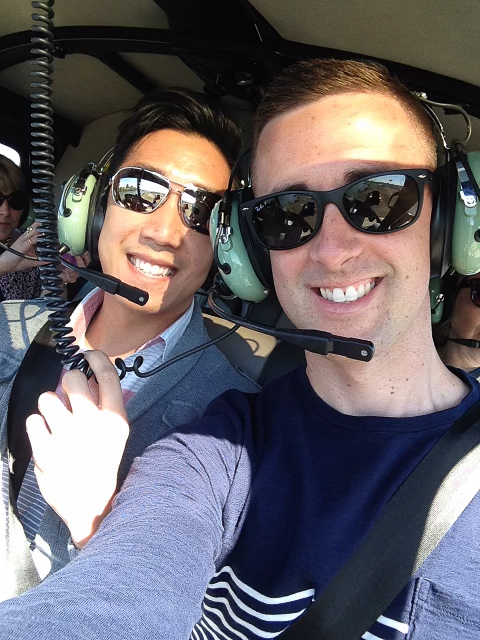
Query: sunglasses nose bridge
x,y
323,200
334,239
175,192
171,190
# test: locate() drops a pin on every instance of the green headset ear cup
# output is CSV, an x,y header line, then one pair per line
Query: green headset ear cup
x,y
466,227
74,211
82,210
258,255
242,280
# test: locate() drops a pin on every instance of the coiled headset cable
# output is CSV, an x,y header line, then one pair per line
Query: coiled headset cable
x,y
43,182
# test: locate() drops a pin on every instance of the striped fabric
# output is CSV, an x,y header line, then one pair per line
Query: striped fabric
x,y
31,505
232,610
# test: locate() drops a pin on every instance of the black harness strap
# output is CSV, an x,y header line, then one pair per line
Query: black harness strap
x,y
39,371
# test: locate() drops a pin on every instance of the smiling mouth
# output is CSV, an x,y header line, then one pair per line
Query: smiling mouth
x,y
150,270
347,294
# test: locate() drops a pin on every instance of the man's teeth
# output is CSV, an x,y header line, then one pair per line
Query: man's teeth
x,y
350,294
150,269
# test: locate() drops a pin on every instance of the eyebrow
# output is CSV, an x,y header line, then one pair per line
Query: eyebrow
x,y
348,177
149,167
358,174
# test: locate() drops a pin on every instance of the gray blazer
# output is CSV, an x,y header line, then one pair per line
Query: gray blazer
x,y
176,396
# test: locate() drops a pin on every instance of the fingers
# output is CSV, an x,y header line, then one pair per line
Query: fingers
x,y
83,260
109,389
79,393
54,413
68,275
86,395
39,436
26,243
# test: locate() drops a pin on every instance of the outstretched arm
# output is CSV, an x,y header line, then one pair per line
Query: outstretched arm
x,y
78,449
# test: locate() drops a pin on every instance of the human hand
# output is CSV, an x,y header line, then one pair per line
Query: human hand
x,y
25,243
77,449
69,276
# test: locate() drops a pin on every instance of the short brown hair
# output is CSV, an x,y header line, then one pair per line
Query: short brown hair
x,y
11,176
307,81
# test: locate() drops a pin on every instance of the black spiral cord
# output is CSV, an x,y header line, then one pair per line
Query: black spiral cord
x,y
43,182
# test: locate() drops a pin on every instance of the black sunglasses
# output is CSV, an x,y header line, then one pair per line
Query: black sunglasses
x,y
16,200
474,284
379,203
143,191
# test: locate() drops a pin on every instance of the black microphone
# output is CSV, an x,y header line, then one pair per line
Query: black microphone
x,y
311,340
473,344
110,284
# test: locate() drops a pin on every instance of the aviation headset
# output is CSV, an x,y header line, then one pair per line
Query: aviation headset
x,y
82,208
244,263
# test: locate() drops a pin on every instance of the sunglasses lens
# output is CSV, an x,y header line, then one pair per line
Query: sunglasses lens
x,y
197,207
285,221
475,288
138,190
382,203
16,200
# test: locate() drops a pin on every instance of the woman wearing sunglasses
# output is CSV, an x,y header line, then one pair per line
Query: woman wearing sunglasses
x,y
19,278
462,348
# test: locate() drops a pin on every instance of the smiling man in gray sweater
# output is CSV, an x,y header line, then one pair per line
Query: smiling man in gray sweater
x,y
171,164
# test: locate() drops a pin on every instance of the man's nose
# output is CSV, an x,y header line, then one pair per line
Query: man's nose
x,y
164,226
336,242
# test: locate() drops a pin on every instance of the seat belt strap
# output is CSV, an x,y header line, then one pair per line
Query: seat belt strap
x,y
39,372
412,524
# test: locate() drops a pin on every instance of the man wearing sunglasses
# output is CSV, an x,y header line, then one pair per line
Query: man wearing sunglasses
x,y
462,348
171,164
250,512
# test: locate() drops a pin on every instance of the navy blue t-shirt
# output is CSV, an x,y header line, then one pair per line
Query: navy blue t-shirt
x,y
320,481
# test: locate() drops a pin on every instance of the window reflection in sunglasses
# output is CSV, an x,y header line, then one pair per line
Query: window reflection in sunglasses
x,y
383,204
140,194
286,220
134,189
378,204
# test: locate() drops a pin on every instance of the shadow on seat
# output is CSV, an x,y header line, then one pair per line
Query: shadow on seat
x,y
259,356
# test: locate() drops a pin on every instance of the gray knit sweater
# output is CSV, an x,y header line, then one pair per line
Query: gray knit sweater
x,y
176,396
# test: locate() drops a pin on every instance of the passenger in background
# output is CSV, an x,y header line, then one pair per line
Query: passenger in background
x,y
462,346
19,277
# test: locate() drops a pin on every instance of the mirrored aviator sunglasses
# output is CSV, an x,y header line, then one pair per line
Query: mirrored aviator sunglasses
x,y
474,285
17,200
376,204
144,191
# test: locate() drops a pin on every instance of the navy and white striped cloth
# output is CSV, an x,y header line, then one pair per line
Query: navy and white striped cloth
x,y
234,611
